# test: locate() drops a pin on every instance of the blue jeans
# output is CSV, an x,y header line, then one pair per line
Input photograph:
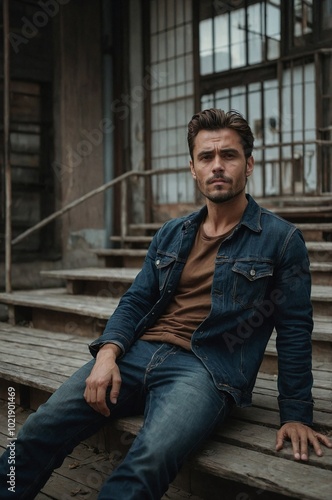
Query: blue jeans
x,y
181,407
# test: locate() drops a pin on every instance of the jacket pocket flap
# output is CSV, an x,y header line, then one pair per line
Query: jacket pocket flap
x,y
253,270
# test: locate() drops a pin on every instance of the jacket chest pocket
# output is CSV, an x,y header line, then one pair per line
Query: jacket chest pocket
x,y
251,279
164,264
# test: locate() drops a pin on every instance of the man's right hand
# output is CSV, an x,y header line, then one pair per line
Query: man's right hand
x,y
105,373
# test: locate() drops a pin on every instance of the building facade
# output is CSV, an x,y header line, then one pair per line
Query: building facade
x,y
105,87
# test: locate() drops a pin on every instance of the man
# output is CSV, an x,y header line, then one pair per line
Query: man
x,y
187,339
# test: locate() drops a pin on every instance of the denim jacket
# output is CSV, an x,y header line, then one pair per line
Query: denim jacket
x,y
261,282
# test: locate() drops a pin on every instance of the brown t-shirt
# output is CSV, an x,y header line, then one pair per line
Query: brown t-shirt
x,y
192,301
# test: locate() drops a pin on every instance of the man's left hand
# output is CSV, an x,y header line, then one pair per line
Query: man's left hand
x,y
300,435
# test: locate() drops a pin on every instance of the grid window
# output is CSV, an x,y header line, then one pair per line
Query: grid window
x,y
234,35
172,98
283,122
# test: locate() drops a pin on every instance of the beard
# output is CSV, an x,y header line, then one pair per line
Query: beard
x,y
222,195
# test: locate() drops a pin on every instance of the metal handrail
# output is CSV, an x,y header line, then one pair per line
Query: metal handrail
x,y
120,179
94,192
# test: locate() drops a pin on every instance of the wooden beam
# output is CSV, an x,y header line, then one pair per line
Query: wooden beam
x,y
6,146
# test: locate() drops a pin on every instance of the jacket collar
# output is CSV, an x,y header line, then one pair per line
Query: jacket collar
x,y
251,216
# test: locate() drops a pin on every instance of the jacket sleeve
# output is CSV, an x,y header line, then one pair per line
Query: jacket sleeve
x,y
121,327
293,320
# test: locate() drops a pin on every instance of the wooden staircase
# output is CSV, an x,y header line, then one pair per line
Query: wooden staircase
x,y
45,340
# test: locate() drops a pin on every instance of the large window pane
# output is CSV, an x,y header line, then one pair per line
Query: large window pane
x,y
238,38
221,29
206,46
303,20
234,35
255,33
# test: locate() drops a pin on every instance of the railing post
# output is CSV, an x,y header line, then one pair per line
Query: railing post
x,y
124,210
6,148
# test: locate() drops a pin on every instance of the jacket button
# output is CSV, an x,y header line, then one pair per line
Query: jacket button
x,y
252,272
157,262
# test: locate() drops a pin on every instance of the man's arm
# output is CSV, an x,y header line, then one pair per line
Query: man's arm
x,y
105,373
293,319
133,306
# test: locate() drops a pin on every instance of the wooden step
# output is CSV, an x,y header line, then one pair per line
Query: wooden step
x,y
142,241
107,282
120,257
115,281
241,451
55,310
321,341
316,232
145,227
321,273
319,251
321,297
85,314
302,212
40,358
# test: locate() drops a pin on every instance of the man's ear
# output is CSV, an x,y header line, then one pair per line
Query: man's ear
x,y
250,166
192,169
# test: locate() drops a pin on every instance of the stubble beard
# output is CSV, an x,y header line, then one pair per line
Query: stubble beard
x,y
223,196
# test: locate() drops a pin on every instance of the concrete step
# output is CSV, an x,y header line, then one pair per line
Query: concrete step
x,y
101,282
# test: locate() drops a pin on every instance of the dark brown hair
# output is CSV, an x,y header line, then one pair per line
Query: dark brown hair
x,y
215,119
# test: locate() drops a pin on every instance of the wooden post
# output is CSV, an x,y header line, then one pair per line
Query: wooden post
x,y
6,146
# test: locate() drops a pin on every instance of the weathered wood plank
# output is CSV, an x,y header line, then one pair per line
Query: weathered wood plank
x,y
285,477
97,273
55,300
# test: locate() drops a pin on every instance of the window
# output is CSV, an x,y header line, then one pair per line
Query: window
x,y
303,21
233,35
326,11
172,97
283,123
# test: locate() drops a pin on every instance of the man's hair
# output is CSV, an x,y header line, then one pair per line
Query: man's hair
x,y
215,119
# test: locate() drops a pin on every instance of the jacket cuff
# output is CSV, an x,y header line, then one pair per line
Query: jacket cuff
x,y
296,411
97,344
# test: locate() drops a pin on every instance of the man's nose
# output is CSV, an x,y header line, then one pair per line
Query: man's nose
x,y
218,164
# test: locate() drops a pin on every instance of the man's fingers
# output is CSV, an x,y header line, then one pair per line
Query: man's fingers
x,y
115,389
318,438
280,440
301,436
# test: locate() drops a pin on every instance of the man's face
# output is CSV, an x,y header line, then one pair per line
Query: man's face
x,y
219,165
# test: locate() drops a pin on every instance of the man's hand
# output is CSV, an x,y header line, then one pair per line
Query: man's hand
x,y
300,435
105,373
